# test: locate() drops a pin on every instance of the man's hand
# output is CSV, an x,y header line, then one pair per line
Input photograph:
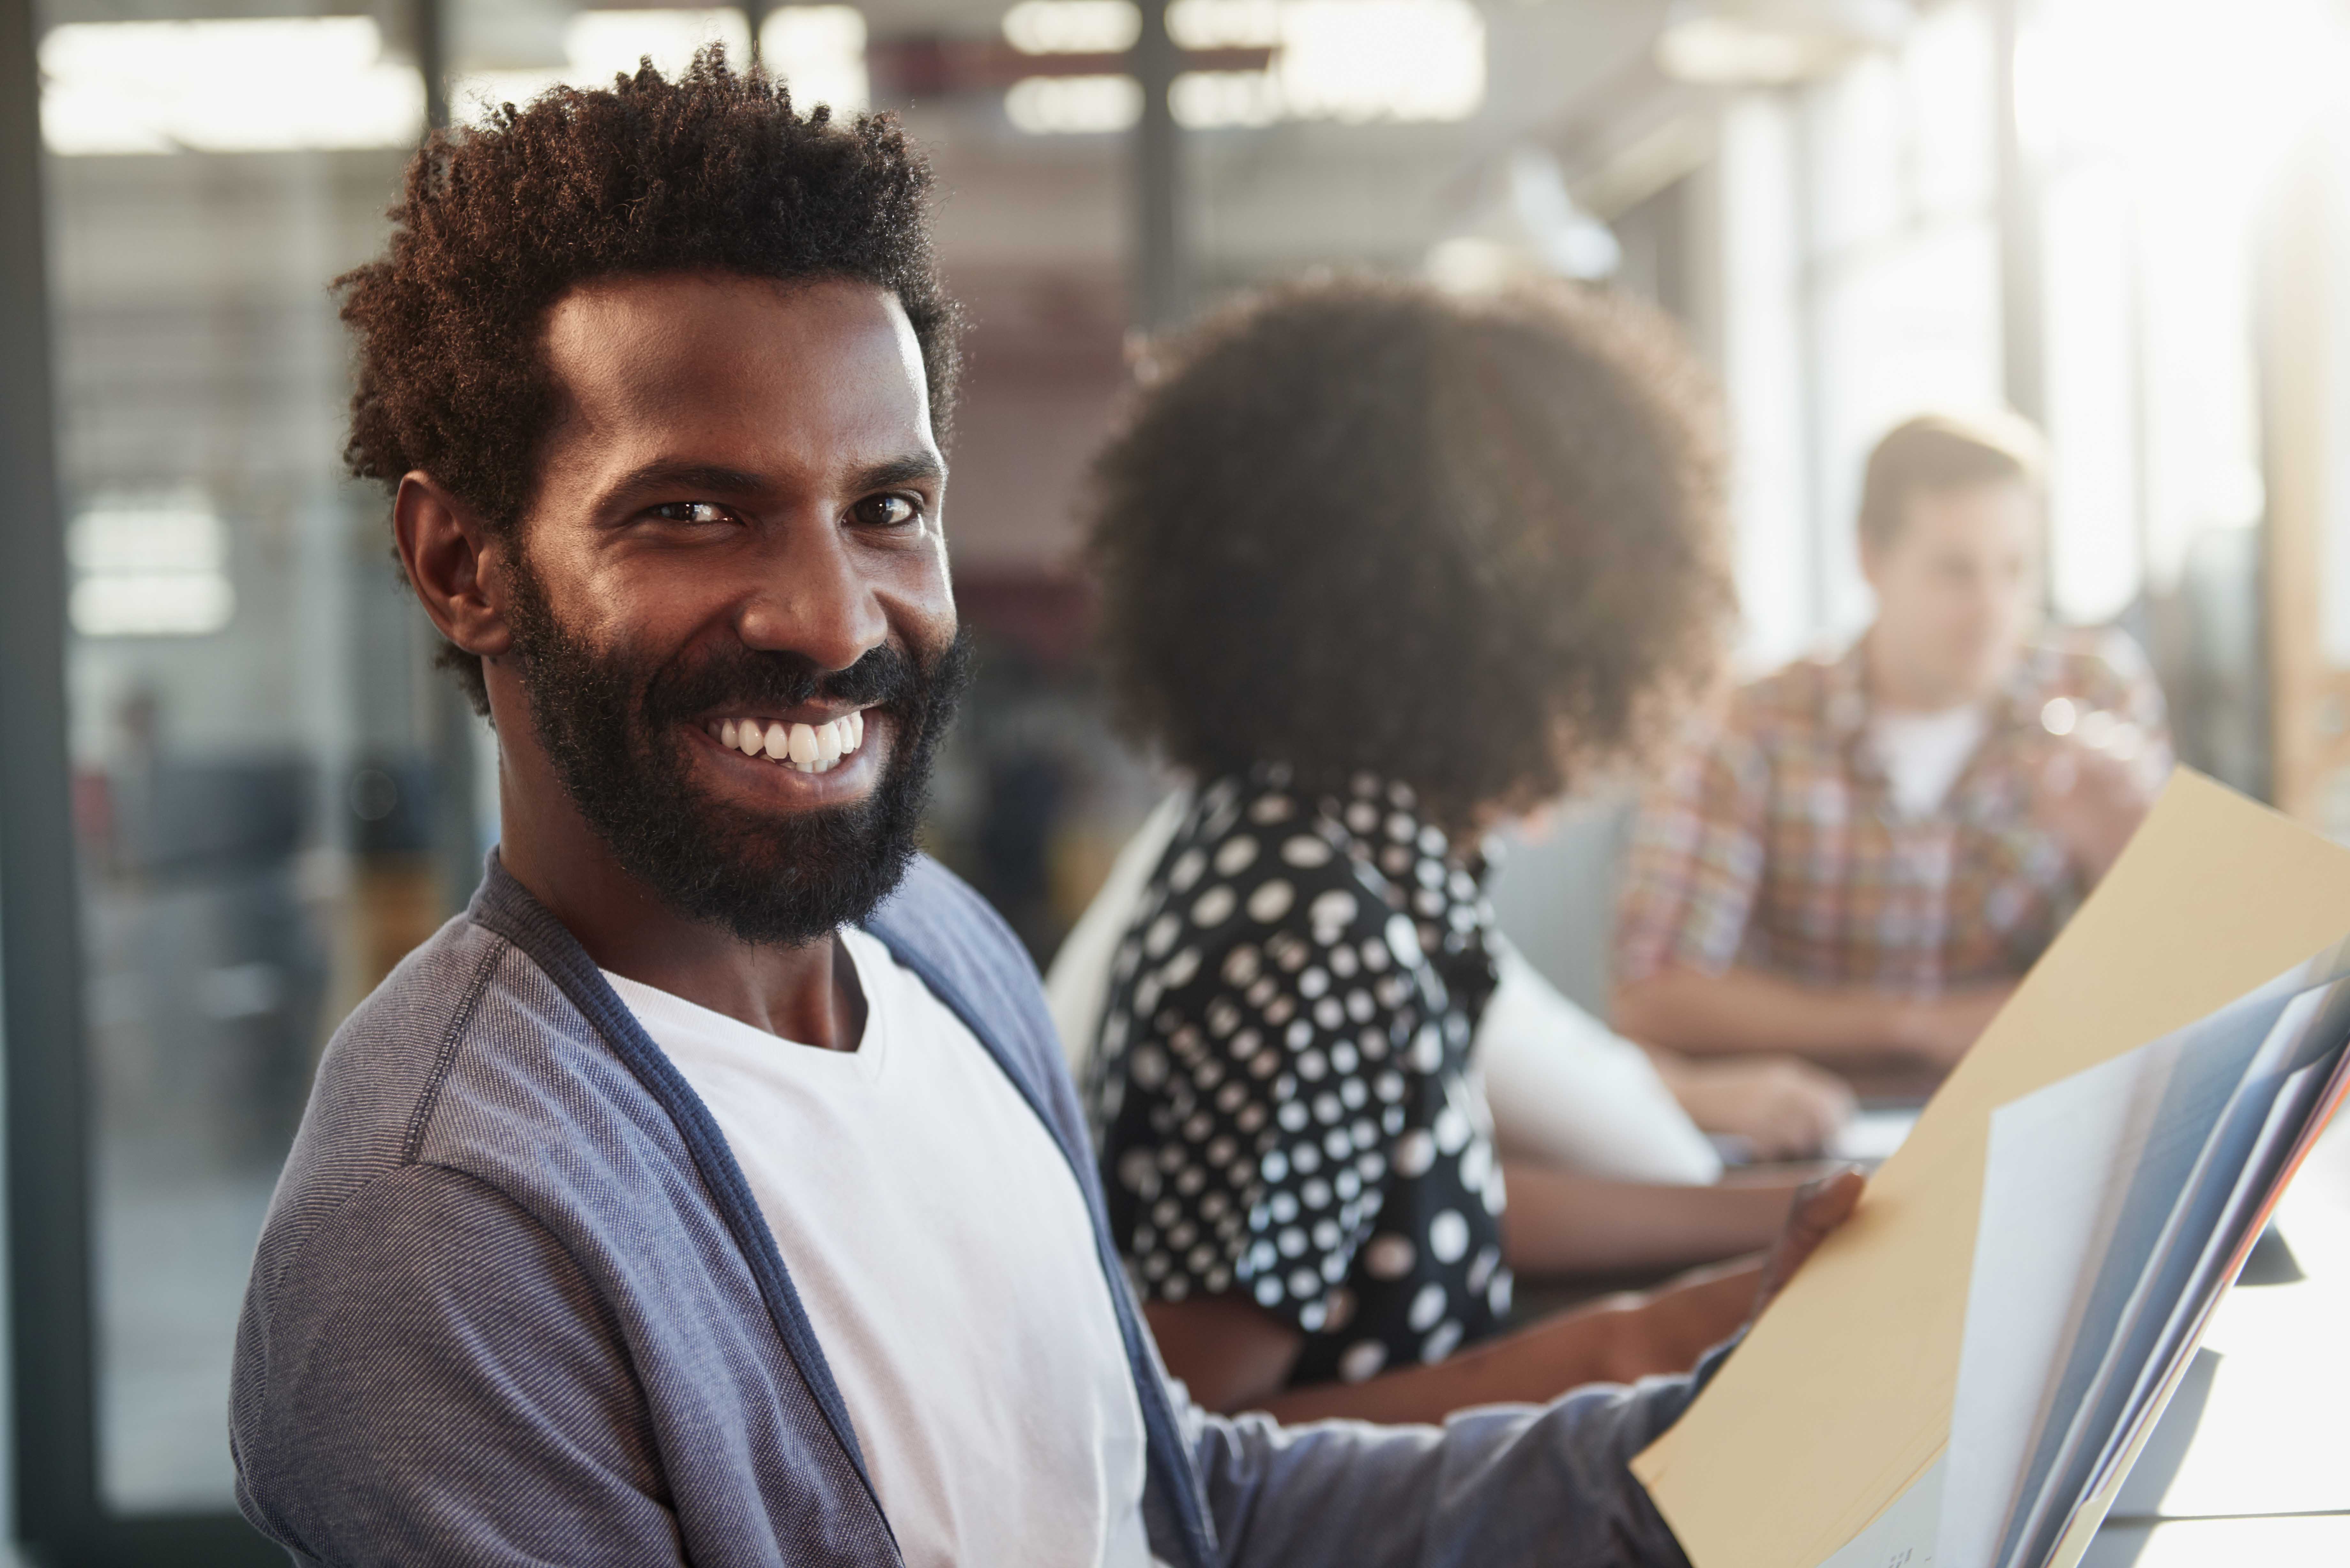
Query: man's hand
x,y
1784,1108
1820,1206
2090,801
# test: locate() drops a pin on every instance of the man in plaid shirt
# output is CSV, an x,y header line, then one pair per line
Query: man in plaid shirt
x,y
1857,859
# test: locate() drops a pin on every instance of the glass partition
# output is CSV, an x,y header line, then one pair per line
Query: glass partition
x,y
272,795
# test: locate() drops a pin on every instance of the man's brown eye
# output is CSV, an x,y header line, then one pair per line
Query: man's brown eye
x,y
690,512
886,510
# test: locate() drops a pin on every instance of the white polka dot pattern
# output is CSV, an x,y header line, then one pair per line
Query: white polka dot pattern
x,y
1282,1085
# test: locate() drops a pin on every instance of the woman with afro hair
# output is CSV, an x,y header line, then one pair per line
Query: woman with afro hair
x,y
1381,569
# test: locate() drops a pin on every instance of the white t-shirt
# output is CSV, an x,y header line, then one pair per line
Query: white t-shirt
x,y
1924,753
941,1248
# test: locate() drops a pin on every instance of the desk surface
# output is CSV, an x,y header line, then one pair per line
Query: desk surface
x,y
2252,1462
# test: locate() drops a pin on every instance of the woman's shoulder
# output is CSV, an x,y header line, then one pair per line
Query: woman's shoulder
x,y
1257,855
1259,884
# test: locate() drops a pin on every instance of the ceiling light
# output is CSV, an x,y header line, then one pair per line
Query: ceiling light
x,y
1073,26
819,51
1772,43
1353,61
246,84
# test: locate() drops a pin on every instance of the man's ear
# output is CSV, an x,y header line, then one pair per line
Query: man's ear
x,y
448,554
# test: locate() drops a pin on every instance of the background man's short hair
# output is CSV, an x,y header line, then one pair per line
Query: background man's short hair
x,y
1457,543
715,170
1945,452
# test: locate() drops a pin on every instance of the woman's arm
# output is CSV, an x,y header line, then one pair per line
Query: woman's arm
x,y
1234,1356
1557,1223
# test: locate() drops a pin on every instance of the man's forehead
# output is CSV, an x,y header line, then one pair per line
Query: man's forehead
x,y
1988,511
690,347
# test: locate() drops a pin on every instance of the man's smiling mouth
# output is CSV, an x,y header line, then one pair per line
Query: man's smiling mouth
x,y
803,748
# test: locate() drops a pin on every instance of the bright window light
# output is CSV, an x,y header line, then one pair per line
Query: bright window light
x,y
1949,71
152,567
600,45
240,85
1224,23
820,51
157,603
1073,26
1356,62
1772,43
1359,60
1203,100
2095,564
2112,76
172,535
2153,384
1061,105
1727,51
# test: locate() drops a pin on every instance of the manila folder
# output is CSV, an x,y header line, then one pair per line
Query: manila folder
x,y
1841,1396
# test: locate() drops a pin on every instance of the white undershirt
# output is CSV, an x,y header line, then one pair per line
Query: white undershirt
x,y
1924,753
943,1253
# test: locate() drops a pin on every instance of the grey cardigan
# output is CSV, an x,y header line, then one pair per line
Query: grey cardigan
x,y
515,1304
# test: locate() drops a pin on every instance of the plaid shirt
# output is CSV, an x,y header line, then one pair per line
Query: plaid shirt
x,y
1774,841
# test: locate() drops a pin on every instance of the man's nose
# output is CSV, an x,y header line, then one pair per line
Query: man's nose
x,y
812,600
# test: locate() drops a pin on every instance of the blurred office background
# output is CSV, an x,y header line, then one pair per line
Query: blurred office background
x,y
2126,218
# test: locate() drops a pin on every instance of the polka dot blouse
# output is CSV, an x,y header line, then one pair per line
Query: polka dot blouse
x,y
1282,1089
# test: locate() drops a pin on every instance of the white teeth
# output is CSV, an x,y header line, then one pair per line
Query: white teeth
x,y
805,748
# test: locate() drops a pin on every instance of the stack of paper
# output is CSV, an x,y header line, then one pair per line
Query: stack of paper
x,y
2118,1207
1963,1374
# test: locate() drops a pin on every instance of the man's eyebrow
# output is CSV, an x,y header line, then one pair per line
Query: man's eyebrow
x,y
707,478
715,479
914,468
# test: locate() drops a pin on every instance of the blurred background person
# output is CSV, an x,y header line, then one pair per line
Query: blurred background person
x,y
1858,858
1380,568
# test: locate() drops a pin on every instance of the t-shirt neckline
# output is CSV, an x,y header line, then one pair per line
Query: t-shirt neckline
x,y
660,1010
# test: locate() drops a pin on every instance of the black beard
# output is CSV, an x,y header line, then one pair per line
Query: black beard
x,y
613,724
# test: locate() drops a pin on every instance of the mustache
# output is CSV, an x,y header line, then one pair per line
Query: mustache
x,y
885,676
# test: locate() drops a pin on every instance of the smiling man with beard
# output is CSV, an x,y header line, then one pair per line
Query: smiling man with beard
x,y
710,1191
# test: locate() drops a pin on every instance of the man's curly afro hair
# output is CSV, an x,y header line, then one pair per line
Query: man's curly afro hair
x,y
1465,544
715,170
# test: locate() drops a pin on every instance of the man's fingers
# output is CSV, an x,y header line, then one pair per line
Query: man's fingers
x,y
1819,1207
1826,1202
